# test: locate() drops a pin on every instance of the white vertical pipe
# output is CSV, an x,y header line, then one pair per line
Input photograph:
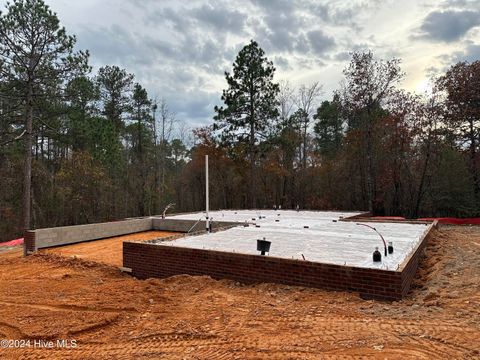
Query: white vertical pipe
x,y
206,193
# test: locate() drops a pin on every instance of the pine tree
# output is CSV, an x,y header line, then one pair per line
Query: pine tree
x,y
142,137
329,127
250,105
115,86
36,58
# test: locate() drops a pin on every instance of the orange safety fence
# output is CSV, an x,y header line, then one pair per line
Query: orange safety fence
x,y
12,242
443,220
455,221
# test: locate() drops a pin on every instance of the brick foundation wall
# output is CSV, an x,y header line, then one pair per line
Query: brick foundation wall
x,y
410,265
147,260
150,260
29,241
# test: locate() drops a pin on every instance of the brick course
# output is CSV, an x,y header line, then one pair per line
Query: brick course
x,y
147,260
410,266
29,241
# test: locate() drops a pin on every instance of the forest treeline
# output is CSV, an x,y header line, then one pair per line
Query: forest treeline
x,y
81,147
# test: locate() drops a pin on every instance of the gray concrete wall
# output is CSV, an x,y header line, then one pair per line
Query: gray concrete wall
x,y
72,234
185,225
43,238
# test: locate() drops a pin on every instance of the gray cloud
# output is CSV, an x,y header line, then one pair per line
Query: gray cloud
x,y
449,25
282,63
320,42
302,45
169,16
179,50
469,54
158,66
285,27
112,45
199,107
276,7
345,14
208,17
342,56
278,25
219,18
461,4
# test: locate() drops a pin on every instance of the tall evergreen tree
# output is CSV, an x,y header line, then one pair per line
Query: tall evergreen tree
x,y
250,104
329,127
82,94
115,87
37,57
142,136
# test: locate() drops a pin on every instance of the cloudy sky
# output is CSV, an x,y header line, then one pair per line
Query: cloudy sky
x,y
179,50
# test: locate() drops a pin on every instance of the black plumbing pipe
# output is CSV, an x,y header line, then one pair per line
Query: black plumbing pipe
x,y
263,246
384,242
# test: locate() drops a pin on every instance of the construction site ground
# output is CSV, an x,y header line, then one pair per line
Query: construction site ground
x,y
107,251
78,293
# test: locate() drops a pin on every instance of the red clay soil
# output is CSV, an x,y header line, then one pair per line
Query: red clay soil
x,y
107,251
114,316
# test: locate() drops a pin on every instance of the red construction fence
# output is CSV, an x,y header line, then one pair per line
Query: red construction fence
x,y
445,220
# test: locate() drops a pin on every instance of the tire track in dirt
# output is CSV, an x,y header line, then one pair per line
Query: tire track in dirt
x,y
172,344
156,348
8,331
438,336
102,324
447,333
67,307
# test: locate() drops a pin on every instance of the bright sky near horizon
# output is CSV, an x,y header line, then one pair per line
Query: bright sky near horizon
x,y
179,50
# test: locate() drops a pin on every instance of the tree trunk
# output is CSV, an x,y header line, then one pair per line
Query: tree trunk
x,y
305,145
252,148
473,156
420,191
156,206
369,178
27,173
143,196
252,166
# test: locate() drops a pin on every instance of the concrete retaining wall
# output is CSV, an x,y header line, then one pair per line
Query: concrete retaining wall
x,y
42,238
184,226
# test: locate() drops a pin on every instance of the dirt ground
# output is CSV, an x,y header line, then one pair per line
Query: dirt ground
x,y
113,316
108,251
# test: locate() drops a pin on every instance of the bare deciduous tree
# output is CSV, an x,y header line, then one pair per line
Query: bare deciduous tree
x,y
307,100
